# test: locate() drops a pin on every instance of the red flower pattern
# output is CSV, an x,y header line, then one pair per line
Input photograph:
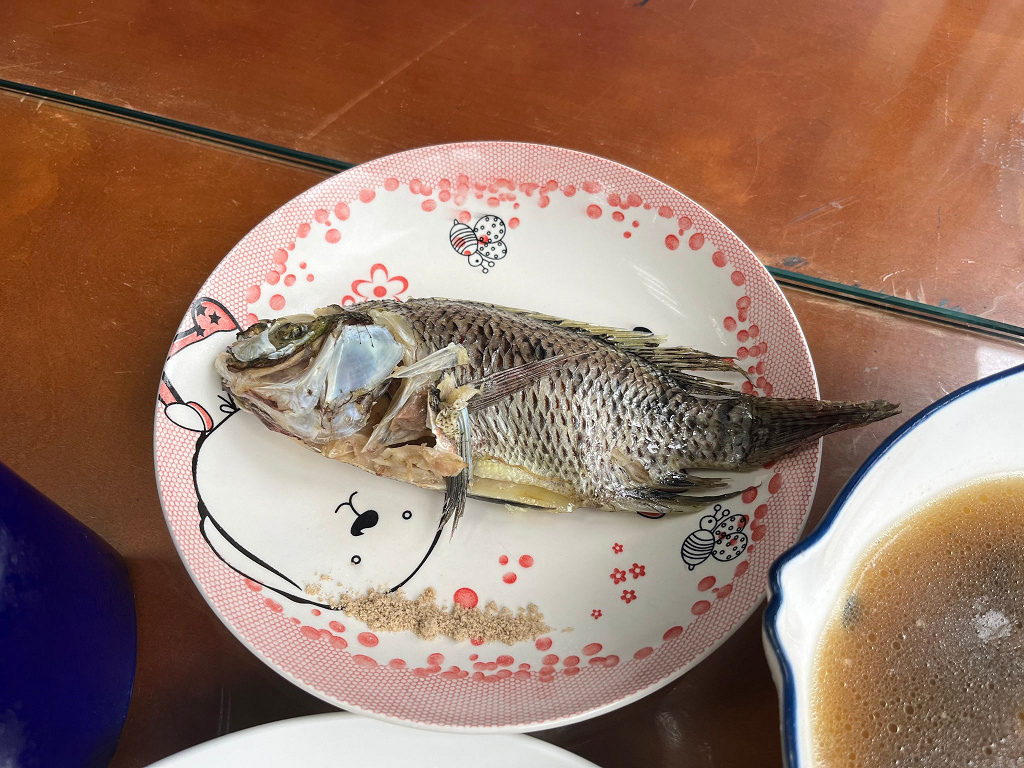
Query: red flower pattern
x,y
628,595
618,575
381,285
596,613
637,571
617,548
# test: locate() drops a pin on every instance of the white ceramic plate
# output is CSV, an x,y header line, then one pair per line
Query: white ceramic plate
x,y
969,434
342,741
632,602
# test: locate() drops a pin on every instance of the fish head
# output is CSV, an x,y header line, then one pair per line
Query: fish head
x,y
314,377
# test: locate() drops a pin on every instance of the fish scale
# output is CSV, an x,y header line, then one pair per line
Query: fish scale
x,y
604,398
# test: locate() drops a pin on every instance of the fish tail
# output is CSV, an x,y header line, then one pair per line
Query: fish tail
x,y
783,425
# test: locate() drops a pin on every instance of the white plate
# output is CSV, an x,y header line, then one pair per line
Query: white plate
x,y
347,741
633,602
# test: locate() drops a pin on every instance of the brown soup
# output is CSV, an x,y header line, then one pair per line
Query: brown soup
x,y
922,661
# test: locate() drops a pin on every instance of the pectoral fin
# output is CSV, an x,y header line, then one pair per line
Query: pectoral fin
x,y
449,357
502,384
456,487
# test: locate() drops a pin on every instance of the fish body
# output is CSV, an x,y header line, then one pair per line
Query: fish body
x,y
526,408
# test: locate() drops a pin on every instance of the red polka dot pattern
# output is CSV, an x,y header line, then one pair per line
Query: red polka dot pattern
x,y
359,682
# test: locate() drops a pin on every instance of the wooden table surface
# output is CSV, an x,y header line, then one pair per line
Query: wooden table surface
x,y
871,144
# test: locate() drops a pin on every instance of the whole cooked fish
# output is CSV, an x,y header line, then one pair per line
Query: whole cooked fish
x,y
515,406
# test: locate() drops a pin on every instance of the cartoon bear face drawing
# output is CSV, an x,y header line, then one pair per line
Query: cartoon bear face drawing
x,y
275,512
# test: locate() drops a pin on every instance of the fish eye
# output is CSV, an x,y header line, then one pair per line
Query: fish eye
x,y
287,333
253,330
294,330
356,559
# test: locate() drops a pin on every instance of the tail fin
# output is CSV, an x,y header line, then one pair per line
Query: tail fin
x,y
782,425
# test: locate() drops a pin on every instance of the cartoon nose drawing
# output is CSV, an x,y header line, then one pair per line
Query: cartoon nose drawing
x,y
363,521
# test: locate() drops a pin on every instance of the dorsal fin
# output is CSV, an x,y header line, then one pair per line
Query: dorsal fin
x,y
619,337
678,362
681,362
701,387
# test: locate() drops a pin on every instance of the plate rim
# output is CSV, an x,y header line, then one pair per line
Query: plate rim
x,y
555,722
181,759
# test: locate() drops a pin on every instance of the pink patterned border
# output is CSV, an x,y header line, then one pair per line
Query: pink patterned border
x,y
513,702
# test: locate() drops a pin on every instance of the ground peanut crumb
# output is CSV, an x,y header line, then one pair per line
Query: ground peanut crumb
x,y
394,612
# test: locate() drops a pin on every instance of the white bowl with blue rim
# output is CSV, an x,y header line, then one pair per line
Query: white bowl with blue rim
x,y
975,432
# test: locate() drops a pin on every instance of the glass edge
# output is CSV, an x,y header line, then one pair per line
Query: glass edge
x,y
785,277
856,294
222,138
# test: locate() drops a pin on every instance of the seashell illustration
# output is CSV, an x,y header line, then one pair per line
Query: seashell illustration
x,y
463,238
697,547
489,229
